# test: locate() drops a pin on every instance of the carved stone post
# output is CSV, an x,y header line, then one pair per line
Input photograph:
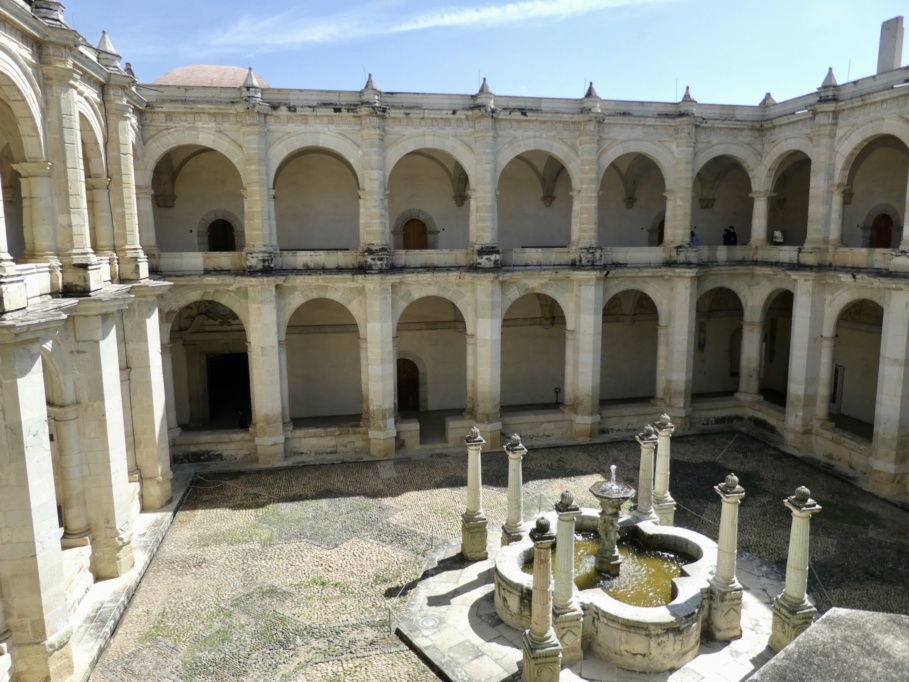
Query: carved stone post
x,y
514,520
725,590
567,615
792,613
473,521
644,511
542,651
663,504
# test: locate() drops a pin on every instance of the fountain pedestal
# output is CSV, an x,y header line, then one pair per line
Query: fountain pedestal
x,y
612,496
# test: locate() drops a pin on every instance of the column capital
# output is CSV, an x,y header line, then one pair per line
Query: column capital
x,y
762,194
800,503
33,169
730,490
474,440
97,183
514,448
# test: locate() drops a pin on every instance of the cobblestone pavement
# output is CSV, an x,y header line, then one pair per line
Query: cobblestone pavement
x,y
291,574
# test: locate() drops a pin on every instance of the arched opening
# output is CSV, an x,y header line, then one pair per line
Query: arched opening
x,y
317,202
877,177
221,236
721,198
718,329
323,365
777,335
787,211
210,368
882,232
189,182
534,202
11,152
533,353
632,191
429,182
629,350
856,359
432,364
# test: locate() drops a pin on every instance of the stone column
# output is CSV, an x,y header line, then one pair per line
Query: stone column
x,y
470,342
145,213
584,230
488,363
514,527
588,356
38,212
375,236
285,387
259,228
678,197
725,590
750,360
825,378
792,612
364,383
264,371
170,401
381,367
542,651
568,618
142,334
32,583
483,239
568,393
681,341
101,218
759,213
644,510
76,532
663,504
102,438
804,359
836,216
473,521
121,120
824,206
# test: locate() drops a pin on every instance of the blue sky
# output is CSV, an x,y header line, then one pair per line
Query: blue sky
x,y
728,51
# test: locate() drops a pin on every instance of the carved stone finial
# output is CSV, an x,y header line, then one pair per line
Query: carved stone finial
x,y
687,96
474,437
732,481
370,95
474,433
514,440
591,92
767,101
542,525
802,494
567,499
485,98
801,500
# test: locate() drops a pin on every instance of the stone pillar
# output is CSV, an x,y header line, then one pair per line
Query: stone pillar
x,y
802,400
568,393
662,364
588,355
825,208
32,583
644,510
364,383
381,367
264,371
102,438
792,613
889,460
259,228
375,236
678,197
725,590
38,212
663,504
584,229
681,340
542,651
470,410
121,120
81,269
568,618
170,401
759,213
145,213
514,527
483,239
825,378
142,334
473,521
76,532
750,360
836,215
102,220
488,363
285,388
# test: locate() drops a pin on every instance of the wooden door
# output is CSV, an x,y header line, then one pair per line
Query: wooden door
x,y
408,386
415,234
883,231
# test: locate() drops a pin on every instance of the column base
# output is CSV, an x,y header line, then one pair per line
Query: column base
x,y
665,510
513,533
132,265
567,626
725,612
111,558
13,295
382,443
44,662
81,279
542,660
585,427
474,537
646,516
270,450
157,492
789,621
82,538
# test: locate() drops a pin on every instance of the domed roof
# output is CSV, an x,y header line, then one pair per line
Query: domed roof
x,y
206,75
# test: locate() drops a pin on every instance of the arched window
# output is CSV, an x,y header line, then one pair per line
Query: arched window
x,y
221,236
882,232
415,234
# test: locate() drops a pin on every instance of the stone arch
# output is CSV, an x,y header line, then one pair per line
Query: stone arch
x,y
161,143
172,303
613,287
409,293
93,139
849,147
656,152
218,214
845,297
776,155
886,209
766,295
745,155
711,282
57,358
22,93
290,299
460,151
328,141
512,291
561,151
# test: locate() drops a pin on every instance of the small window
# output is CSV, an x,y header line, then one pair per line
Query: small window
x,y
221,236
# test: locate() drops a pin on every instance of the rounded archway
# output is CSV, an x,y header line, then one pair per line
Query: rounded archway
x,y
787,215
877,178
628,367
721,198
718,343
12,153
631,197
775,343
533,352
856,360
534,202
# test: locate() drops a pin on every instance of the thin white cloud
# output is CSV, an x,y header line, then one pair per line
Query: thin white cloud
x,y
291,29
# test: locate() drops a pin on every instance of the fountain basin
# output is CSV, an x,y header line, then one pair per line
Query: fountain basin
x,y
644,639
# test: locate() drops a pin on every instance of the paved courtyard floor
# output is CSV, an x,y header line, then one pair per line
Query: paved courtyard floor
x,y
302,573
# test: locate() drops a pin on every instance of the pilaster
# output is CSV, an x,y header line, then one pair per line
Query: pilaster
x,y
678,197
264,372
750,359
680,341
825,210
488,345
588,355
261,236
483,239
381,368
13,295
375,235
805,361
584,227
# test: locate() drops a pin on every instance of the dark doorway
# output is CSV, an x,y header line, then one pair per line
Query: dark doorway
x,y
221,236
228,390
408,386
415,234
661,232
883,231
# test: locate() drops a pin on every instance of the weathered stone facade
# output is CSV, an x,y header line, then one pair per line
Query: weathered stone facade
x,y
266,274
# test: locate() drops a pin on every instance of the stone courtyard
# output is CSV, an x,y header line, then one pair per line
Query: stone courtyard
x,y
302,573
